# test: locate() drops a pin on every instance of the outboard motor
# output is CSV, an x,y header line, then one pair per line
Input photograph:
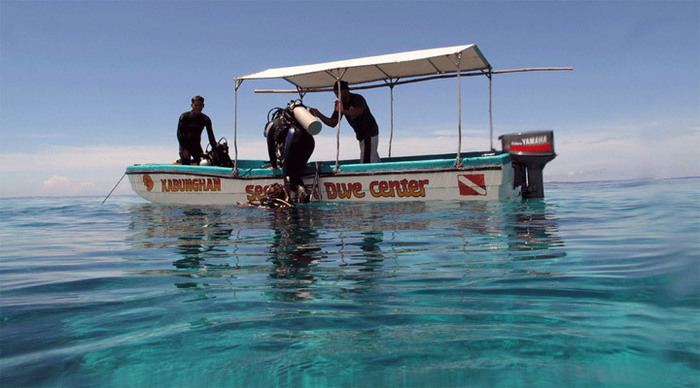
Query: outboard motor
x,y
530,151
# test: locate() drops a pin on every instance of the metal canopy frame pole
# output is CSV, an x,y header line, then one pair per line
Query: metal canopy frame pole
x,y
337,132
340,117
237,84
302,94
414,80
391,133
458,162
490,74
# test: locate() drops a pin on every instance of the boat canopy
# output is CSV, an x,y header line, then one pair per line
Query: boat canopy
x,y
411,64
386,70
382,70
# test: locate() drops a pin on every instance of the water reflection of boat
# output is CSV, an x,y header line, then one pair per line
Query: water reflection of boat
x,y
314,251
199,237
525,231
294,252
513,172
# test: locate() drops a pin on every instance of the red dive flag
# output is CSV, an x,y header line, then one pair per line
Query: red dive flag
x,y
472,184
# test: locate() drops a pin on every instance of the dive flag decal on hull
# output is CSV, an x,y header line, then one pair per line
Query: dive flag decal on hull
x,y
472,184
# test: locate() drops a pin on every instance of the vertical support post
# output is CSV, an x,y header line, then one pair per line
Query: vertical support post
x,y
338,77
490,75
458,162
337,135
391,135
237,84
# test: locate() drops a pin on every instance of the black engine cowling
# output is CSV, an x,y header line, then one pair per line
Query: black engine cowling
x,y
530,151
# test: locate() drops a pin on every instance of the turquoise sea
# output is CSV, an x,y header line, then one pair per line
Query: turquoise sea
x,y
597,285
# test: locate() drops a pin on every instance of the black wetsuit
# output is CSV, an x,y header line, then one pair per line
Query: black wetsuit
x,y
295,145
189,135
365,125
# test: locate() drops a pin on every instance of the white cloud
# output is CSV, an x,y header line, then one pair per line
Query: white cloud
x,y
631,151
61,170
64,186
54,181
84,158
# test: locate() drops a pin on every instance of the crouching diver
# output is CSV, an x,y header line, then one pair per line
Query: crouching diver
x,y
290,146
275,196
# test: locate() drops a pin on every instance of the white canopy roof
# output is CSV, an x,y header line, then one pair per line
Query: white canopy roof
x,y
381,67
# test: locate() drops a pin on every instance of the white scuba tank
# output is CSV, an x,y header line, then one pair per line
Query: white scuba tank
x,y
306,119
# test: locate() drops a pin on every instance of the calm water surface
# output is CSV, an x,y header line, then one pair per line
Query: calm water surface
x,y
596,285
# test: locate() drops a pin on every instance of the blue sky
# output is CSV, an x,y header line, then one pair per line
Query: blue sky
x,y
87,88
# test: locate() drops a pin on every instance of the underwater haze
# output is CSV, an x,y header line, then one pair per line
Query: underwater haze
x,y
595,285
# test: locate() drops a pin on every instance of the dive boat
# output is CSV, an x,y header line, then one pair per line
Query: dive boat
x,y
512,173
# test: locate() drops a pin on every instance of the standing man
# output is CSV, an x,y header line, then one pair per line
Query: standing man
x,y
189,132
355,109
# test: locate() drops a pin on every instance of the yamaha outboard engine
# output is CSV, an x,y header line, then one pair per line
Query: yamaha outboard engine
x,y
530,151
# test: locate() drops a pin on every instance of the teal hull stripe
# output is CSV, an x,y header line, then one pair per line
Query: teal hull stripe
x,y
252,167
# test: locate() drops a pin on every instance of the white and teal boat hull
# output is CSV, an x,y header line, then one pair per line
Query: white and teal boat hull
x,y
481,176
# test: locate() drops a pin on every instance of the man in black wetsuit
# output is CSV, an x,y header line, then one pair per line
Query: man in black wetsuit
x,y
355,109
189,132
